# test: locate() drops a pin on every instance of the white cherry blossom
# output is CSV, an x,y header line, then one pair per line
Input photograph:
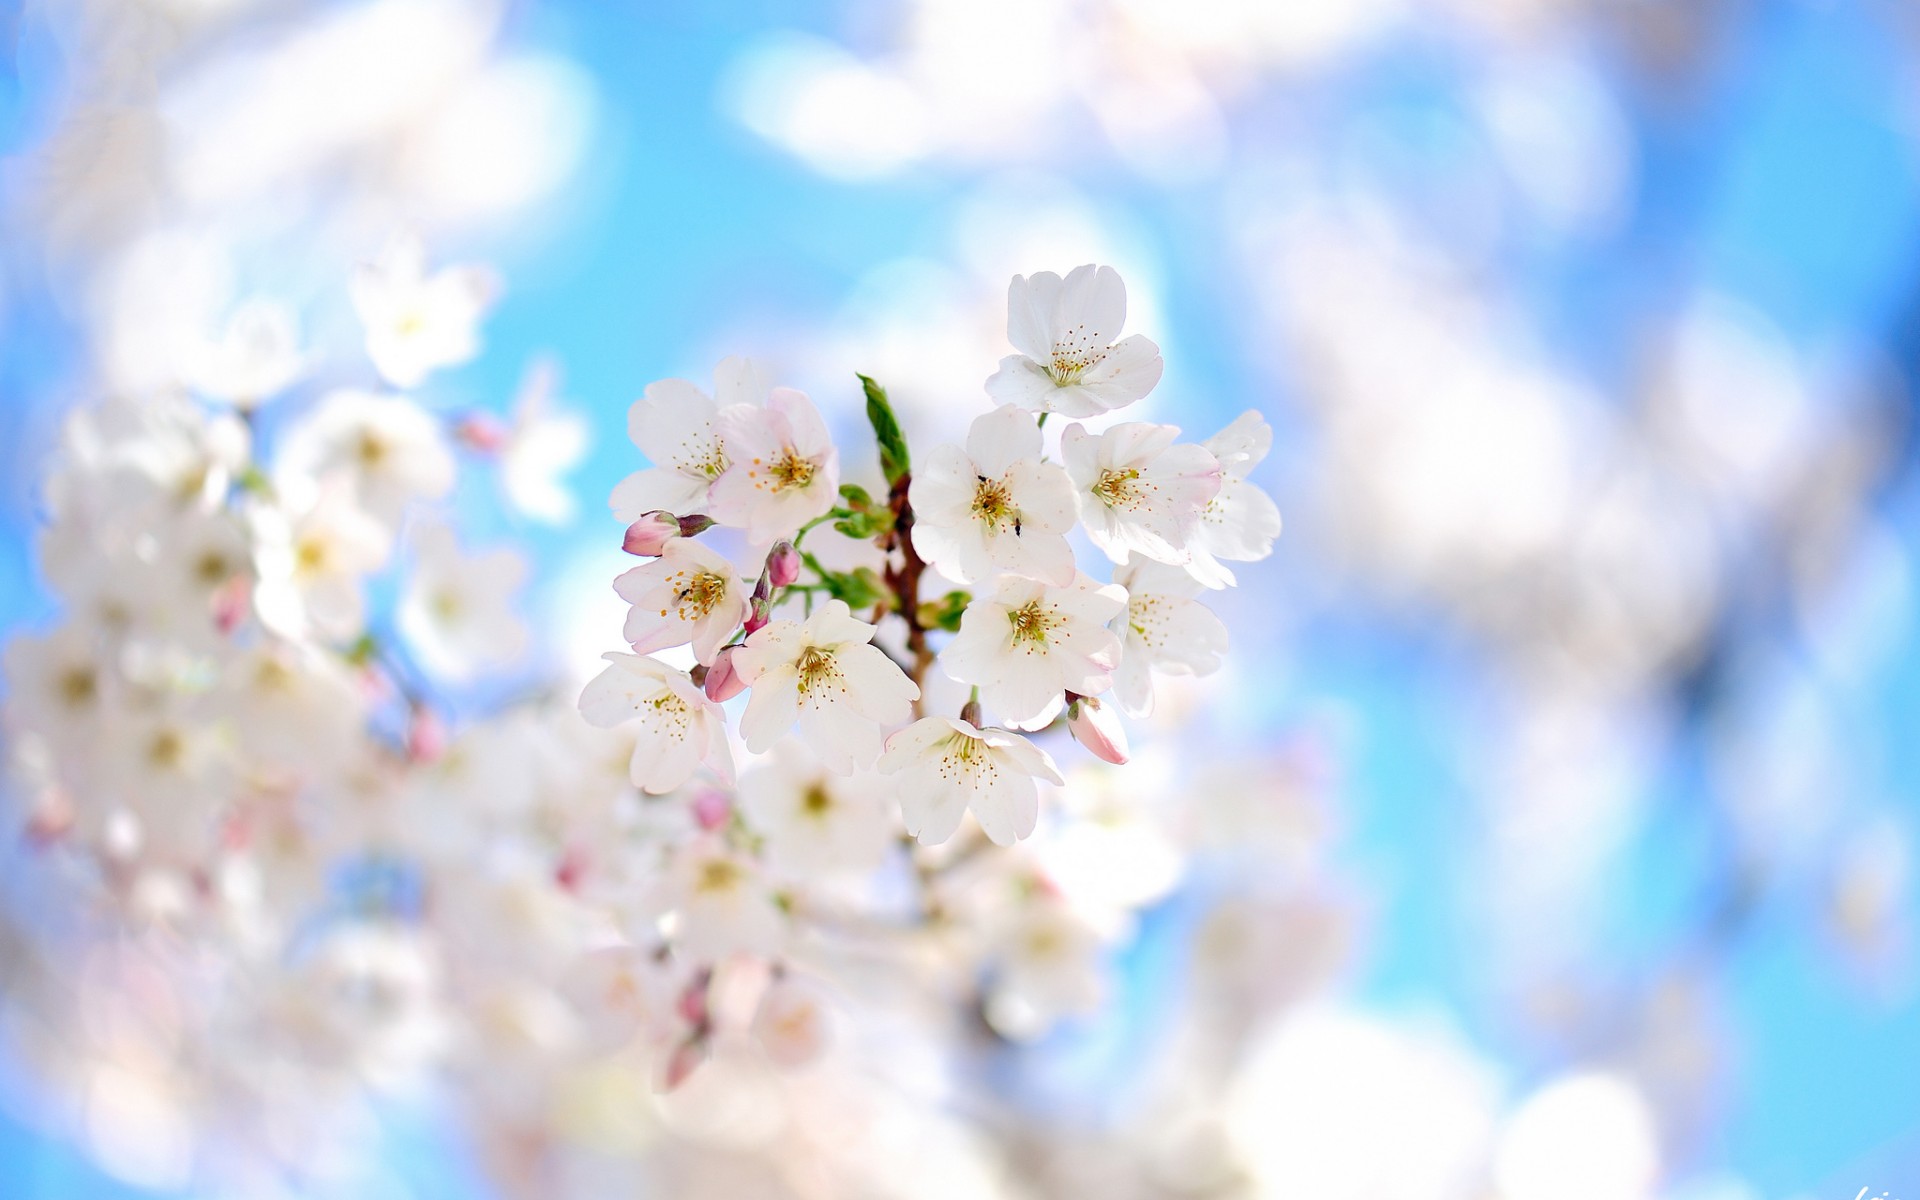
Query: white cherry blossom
x,y
294,708
622,993
824,675
313,566
1138,492
388,448
995,506
948,767
722,903
58,687
676,425
782,471
1049,967
815,821
1164,629
457,610
688,594
1241,522
1072,358
1025,644
417,321
792,1023
256,357
677,728
543,443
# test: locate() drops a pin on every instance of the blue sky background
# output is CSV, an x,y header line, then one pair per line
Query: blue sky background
x,y
1780,176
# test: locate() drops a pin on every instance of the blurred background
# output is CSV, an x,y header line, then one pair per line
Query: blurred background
x,y
1588,330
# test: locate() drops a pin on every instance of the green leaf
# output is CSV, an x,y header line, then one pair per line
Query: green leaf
x,y
894,461
856,497
865,525
945,613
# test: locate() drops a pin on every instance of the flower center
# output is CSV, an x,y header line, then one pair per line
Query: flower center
x,y
815,801
310,556
993,503
79,686
212,568
816,669
1075,354
718,875
1030,622
166,749
371,451
701,593
272,675
791,470
1118,488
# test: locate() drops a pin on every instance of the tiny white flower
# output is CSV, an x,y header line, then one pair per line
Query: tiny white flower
x,y
543,443
792,1023
1241,522
1072,358
1026,644
58,687
388,448
678,728
948,767
416,321
294,708
313,566
782,471
457,611
825,675
1049,967
255,358
814,821
995,506
1164,629
1138,492
675,425
624,993
688,594
202,555
722,903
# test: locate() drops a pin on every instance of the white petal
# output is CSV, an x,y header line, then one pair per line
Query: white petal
x,y
1001,438
1024,383
1031,301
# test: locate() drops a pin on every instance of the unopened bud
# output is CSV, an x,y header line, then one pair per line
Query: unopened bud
x,y
650,534
682,1063
1097,727
783,564
712,809
482,433
231,602
723,683
426,735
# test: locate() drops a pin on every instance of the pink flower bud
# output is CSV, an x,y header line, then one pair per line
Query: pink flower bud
x,y
1097,727
783,564
692,1004
482,433
231,602
723,682
757,619
650,534
426,735
711,809
684,1061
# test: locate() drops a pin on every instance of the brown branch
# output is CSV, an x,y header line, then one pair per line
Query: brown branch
x,y
904,582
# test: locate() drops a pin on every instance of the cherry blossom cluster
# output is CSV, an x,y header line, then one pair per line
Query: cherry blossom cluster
x,y
977,571
247,735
